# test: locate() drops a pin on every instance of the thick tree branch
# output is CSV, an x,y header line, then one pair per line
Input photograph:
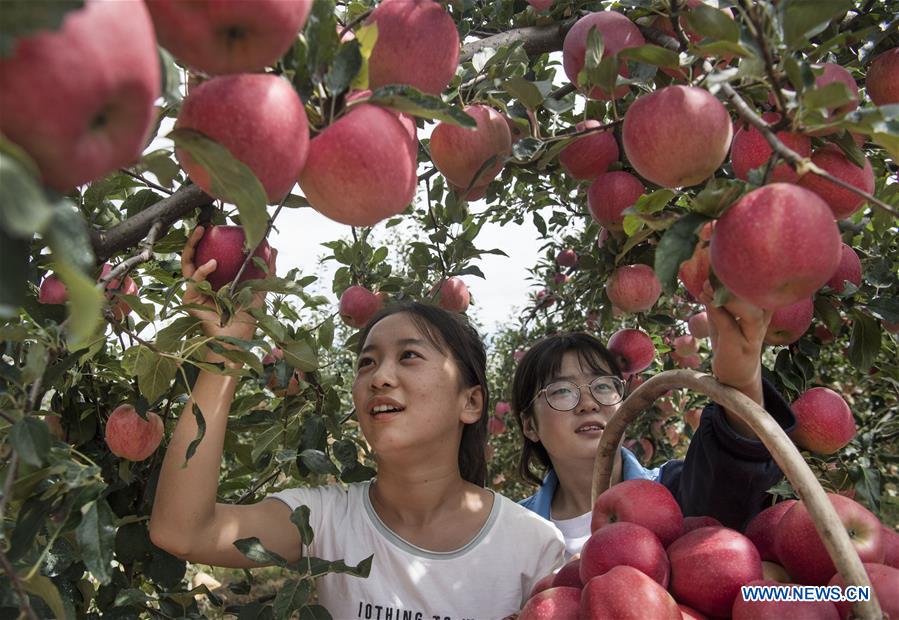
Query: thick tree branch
x,y
129,233
145,254
799,163
536,40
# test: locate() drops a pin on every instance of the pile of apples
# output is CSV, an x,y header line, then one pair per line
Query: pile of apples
x,y
646,560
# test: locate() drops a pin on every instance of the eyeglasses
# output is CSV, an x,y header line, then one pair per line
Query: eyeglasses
x,y
565,395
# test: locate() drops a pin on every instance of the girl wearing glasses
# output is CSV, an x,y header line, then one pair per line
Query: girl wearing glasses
x,y
568,386
433,531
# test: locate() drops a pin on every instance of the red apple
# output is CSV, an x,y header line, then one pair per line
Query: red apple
x,y
120,307
556,603
358,305
890,547
502,408
688,613
830,74
454,295
778,610
778,244
884,582
824,422
690,119
610,194
633,349
418,44
52,291
709,565
633,288
849,270
663,23
293,384
79,100
643,502
496,425
692,417
225,244
841,201
694,523
129,436
694,271
788,323
459,153
567,258
219,36
882,81
545,582
617,32
570,574
624,544
691,360
259,118
362,168
801,551
589,156
762,527
685,345
750,150
624,593
698,324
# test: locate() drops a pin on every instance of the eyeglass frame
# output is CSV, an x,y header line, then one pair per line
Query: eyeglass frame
x,y
579,393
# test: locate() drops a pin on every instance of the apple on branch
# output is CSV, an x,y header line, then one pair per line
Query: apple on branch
x,y
226,245
131,437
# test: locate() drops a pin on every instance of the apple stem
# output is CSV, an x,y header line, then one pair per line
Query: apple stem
x,y
252,252
831,530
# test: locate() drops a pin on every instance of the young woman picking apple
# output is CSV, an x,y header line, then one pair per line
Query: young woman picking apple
x,y
435,532
567,387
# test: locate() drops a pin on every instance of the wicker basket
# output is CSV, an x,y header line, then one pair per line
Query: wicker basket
x,y
782,449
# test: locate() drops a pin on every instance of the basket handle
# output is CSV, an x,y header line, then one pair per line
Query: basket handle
x,y
782,449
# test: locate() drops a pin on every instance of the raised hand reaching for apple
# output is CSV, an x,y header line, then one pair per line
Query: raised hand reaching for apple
x,y
242,323
737,331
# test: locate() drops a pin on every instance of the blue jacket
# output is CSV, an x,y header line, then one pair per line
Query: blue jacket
x,y
723,475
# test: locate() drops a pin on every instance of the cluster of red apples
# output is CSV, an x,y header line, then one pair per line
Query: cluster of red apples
x,y
644,559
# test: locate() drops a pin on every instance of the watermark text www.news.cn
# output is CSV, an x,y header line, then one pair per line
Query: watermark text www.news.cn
x,y
791,593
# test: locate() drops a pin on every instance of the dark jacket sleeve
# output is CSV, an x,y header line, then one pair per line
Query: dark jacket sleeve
x,y
724,474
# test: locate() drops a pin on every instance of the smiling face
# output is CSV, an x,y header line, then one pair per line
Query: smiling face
x,y
408,393
574,434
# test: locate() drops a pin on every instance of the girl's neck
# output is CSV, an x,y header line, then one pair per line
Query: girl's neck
x,y
418,496
573,495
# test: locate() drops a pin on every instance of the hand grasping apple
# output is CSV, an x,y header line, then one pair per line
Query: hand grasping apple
x,y
242,324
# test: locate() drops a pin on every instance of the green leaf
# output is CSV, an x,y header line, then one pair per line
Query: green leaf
x,y
13,274
631,224
525,149
829,315
864,343
291,596
31,440
23,17
723,48
321,36
847,144
231,180
406,99
317,462
885,308
300,518
300,354
96,539
169,337
155,375
676,246
254,550
162,166
68,237
651,55
314,612
85,305
712,23
525,91
24,210
171,78
827,97
201,432
346,65
367,36
592,59
266,441
326,334
654,202
802,19
717,196
42,587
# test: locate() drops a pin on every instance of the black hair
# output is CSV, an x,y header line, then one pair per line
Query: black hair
x,y
451,330
542,361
